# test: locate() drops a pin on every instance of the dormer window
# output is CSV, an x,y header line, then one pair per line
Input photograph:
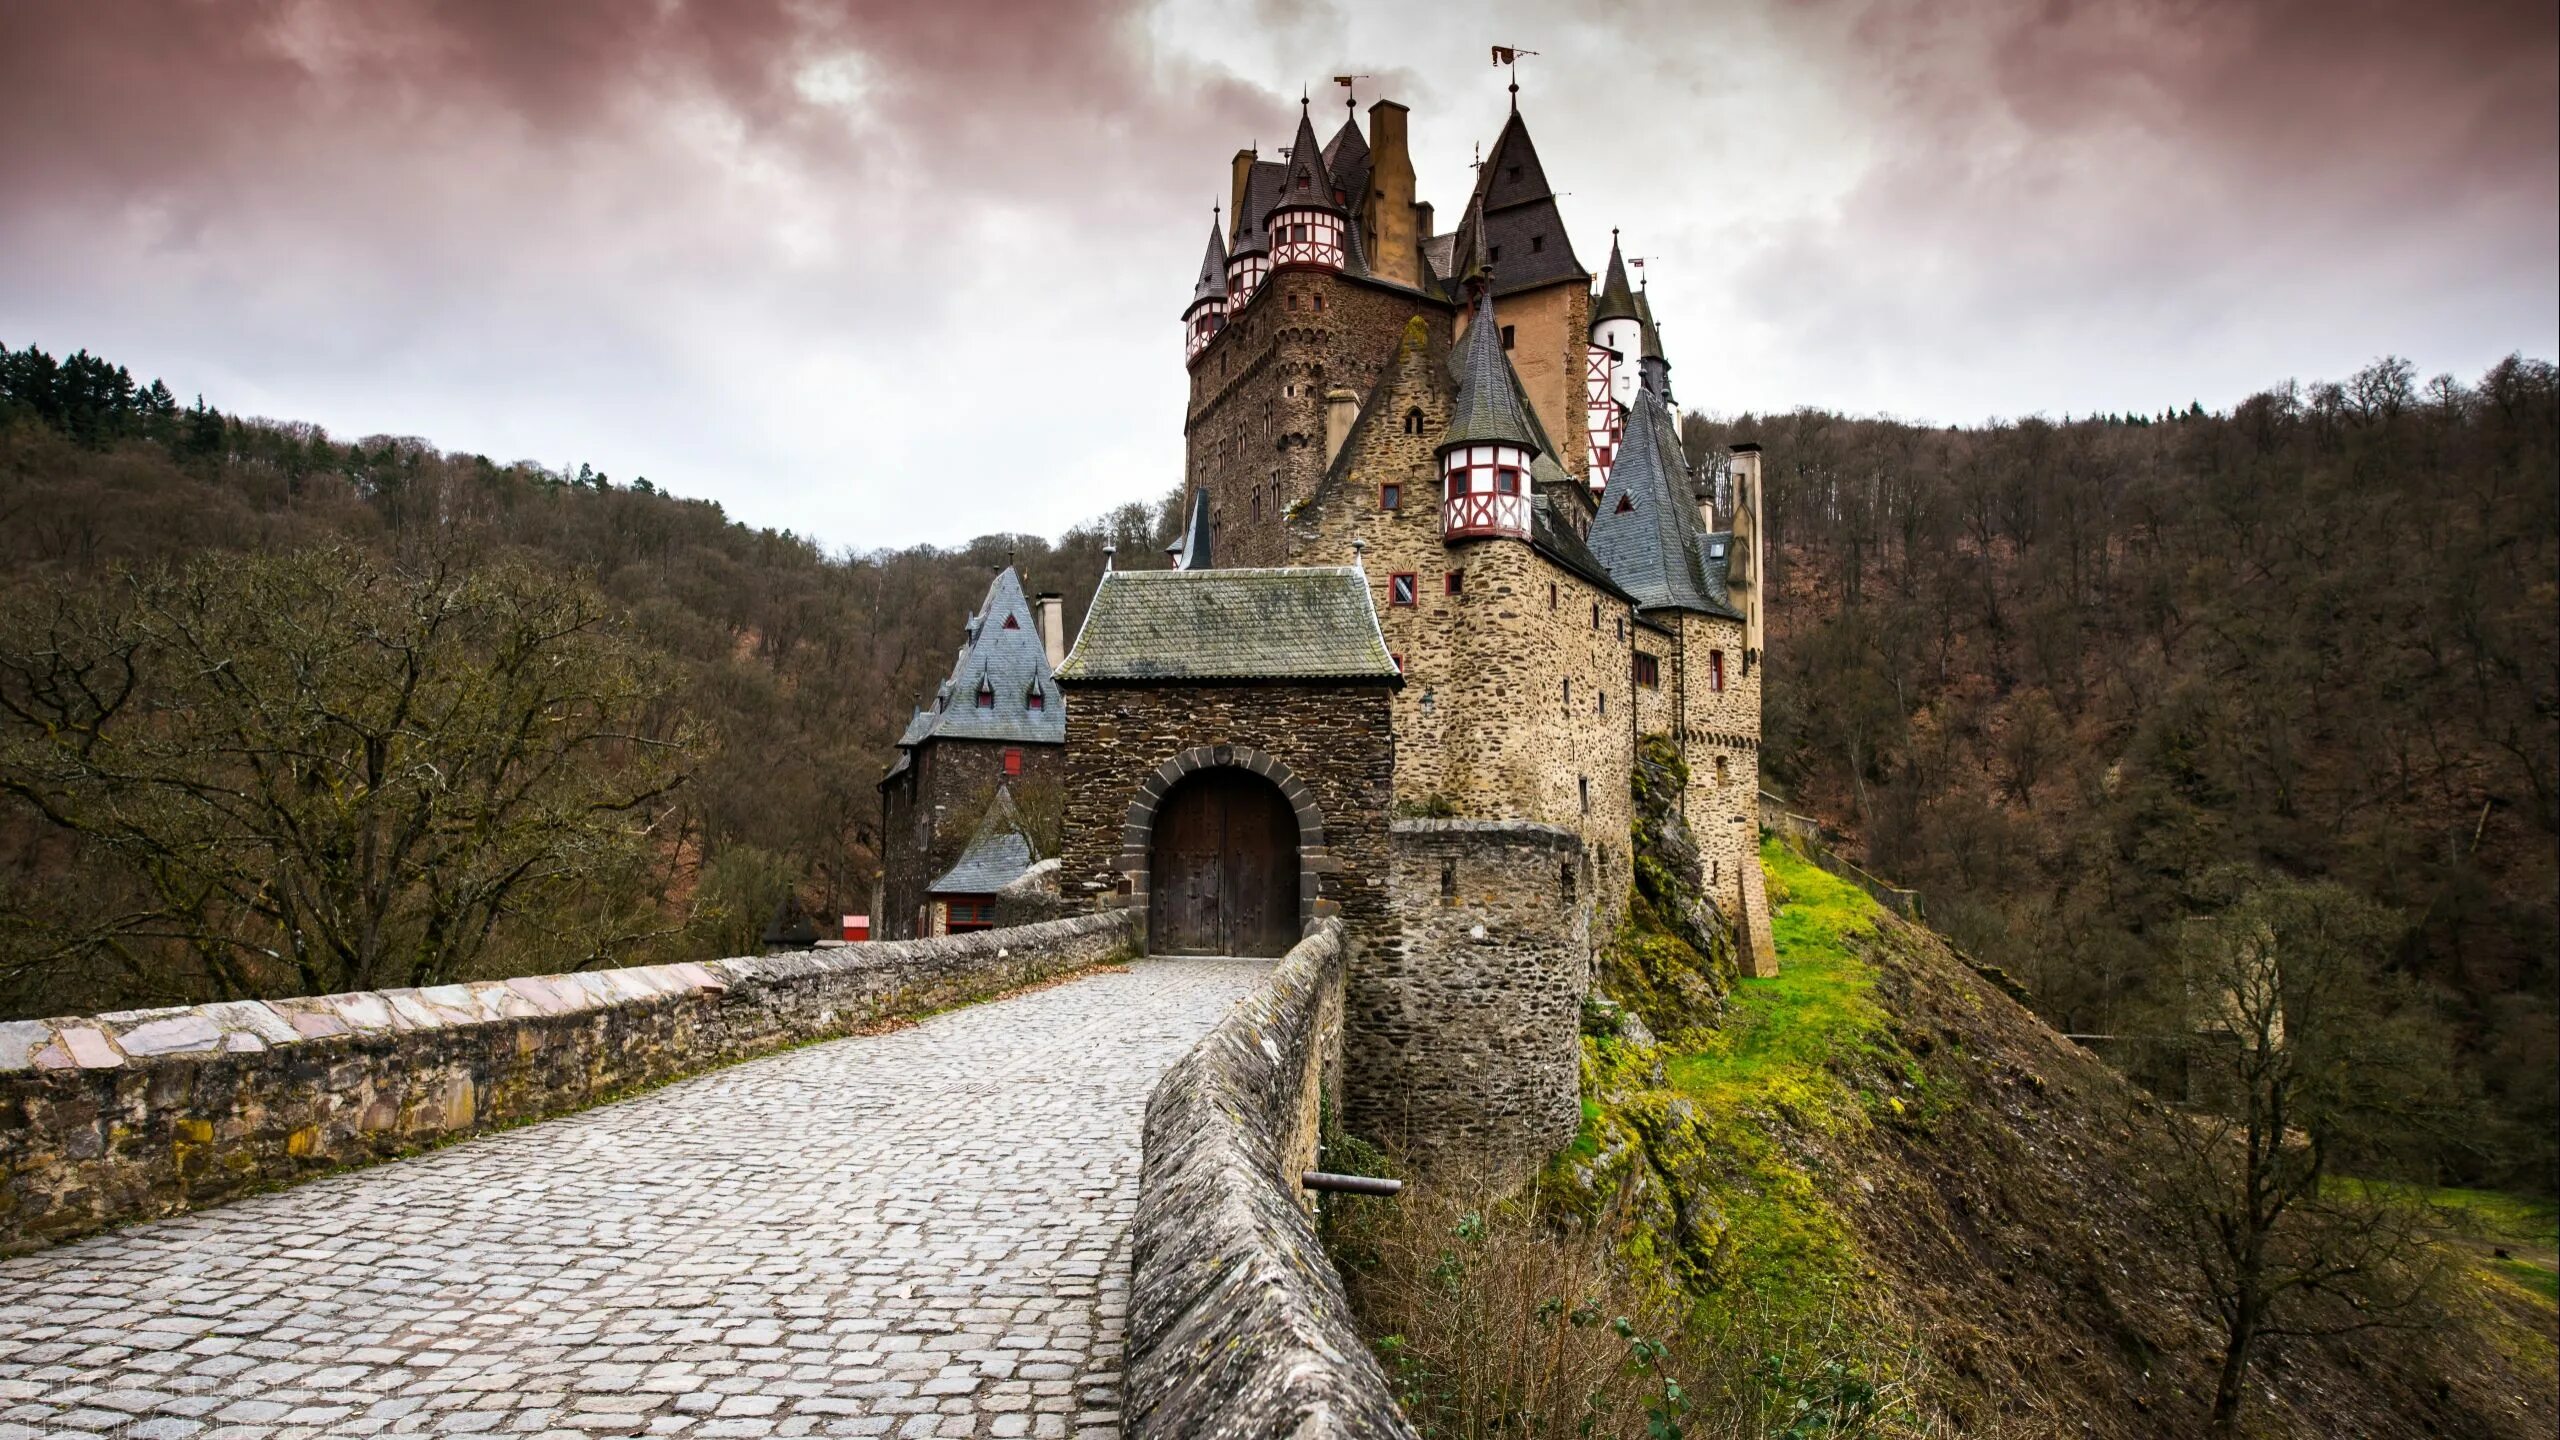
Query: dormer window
x,y
1537,244
1012,624
1035,699
986,696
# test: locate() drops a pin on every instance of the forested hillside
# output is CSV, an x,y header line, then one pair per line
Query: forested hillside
x,y
2082,682
735,693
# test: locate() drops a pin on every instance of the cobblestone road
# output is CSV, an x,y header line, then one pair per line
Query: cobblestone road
x,y
921,1233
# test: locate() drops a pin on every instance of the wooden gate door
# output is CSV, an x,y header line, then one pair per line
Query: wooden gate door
x,y
1223,868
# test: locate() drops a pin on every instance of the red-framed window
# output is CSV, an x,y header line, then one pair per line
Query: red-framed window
x,y
986,696
1012,760
1454,583
962,916
1391,496
1035,698
1715,671
1648,671
1403,588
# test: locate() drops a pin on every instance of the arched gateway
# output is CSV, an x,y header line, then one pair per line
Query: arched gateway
x,y
1222,867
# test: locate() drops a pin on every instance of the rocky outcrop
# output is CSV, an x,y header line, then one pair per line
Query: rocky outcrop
x,y
1238,1326
145,1112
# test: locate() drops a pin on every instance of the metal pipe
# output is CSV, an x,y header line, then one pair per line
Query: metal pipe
x,y
1349,1184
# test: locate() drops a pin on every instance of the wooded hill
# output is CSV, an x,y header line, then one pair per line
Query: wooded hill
x,y
2079,682
2083,682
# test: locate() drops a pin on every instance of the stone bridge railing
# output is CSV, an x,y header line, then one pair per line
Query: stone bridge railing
x,y
146,1112
1238,1326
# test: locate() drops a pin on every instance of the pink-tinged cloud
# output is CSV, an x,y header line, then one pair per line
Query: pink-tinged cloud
x,y
893,271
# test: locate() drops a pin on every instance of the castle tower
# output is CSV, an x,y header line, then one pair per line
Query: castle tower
x,y
1654,365
1307,218
1617,334
1486,455
1207,313
1257,184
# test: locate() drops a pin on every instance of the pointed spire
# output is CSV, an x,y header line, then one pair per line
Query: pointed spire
x,y
1191,552
1213,266
1617,302
1487,410
1652,337
1305,182
1647,530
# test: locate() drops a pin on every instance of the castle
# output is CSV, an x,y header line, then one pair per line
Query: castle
x,y
1409,646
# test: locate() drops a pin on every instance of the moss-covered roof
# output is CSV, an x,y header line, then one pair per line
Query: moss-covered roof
x,y
1298,623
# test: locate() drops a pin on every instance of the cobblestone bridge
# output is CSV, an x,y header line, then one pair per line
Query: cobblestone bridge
x,y
922,1233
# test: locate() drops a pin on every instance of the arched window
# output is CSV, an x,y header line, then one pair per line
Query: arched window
x,y
1413,421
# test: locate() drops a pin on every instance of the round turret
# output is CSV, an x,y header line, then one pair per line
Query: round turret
x,y
1206,315
1486,454
1307,222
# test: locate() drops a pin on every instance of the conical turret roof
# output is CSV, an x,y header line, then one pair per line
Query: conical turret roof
x,y
1346,159
1252,228
1647,530
1305,182
1191,552
1488,405
1213,271
1652,337
1617,300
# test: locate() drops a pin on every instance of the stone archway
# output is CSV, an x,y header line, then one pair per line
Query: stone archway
x,y
1140,826
1222,867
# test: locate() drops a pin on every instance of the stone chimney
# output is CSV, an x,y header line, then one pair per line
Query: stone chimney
x,y
1341,408
1388,214
1743,567
1053,627
1241,173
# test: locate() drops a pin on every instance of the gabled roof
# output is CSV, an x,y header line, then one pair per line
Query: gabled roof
x,y
1252,234
1647,530
996,857
1715,561
1556,539
1213,272
1304,181
1488,406
1512,216
1003,656
1617,301
1312,622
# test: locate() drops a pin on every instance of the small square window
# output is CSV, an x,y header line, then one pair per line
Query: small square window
x,y
1402,587
1507,335
1537,244
1648,671
1495,255
1391,496
1455,582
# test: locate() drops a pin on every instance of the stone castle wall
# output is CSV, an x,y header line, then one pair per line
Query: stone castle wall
x,y
1720,738
1238,1325
1550,337
148,1112
1332,741
1255,424
1467,1027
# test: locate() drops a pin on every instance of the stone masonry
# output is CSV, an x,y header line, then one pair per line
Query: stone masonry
x,y
920,1233
1472,1019
141,1113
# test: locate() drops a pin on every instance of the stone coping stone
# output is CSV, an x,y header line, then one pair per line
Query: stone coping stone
x,y
1238,1324
120,1037
1519,829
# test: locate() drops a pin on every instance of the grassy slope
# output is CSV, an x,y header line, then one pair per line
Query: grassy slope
x,y
1878,1143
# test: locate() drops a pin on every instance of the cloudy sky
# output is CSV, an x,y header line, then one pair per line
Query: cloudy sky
x,y
888,272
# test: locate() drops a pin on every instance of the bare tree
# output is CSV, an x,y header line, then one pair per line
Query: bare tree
x,y
2302,1057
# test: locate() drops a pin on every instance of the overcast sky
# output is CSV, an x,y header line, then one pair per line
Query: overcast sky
x,y
888,272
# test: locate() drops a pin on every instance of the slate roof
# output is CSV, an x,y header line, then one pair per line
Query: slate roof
x,y
1191,552
1213,272
1252,231
996,857
1556,539
1652,337
1304,181
1312,622
1010,662
1488,406
1647,530
1715,560
1617,301
1346,159
1440,252
1514,218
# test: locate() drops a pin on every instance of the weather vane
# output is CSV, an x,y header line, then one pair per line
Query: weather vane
x,y
1510,55
1349,100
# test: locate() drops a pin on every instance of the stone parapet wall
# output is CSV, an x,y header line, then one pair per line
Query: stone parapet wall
x,y
1238,1325
1469,1026
146,1112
